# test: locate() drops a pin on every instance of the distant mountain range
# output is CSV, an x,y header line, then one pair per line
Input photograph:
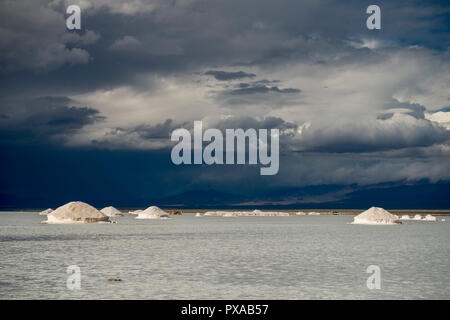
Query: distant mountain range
x,y
422,196
426,196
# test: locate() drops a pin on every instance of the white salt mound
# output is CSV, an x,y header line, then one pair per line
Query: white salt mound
x,y
254,213
153,212
76,212
405,217
198,214
46,212
314,214
111,211
135,211
230,215
429,217
300,213
376,215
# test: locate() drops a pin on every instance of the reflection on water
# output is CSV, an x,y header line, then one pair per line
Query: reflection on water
x,y
297,257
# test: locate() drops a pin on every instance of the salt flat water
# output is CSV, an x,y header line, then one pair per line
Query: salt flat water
x,y
185,257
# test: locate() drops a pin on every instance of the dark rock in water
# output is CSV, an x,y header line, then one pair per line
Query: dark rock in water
x,y
114,280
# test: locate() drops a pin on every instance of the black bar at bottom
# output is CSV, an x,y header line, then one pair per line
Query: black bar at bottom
x,y
222,309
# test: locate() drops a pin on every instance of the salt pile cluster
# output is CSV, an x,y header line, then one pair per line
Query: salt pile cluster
x,y
254,213
111,211
230,215
198,214
376,216
76,212
300,213
153,212
46,212
135,211
429,217
314,214
418,217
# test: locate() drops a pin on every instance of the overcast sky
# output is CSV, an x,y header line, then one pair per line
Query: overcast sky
x,y
88,114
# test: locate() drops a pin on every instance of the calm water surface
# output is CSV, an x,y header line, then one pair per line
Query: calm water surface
x,y
297,257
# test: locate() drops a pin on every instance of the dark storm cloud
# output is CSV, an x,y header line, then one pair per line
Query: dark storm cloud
x,y
265,82
184,36
33,36
371,135
224,75
257,92
245,89
62,120
126,43
413,109
155,136
43,118
385,116
158,131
